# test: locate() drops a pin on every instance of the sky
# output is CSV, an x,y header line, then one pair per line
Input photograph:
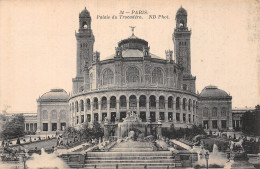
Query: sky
x,y
38,44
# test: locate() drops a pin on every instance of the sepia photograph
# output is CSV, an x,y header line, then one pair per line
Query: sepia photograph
x,y
121,84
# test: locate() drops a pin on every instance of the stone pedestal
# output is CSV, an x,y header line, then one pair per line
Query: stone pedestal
x,y
106,131
159,129
239,160
239,165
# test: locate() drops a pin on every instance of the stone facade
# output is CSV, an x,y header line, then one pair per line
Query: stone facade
x,y
52,111
215,109
133,79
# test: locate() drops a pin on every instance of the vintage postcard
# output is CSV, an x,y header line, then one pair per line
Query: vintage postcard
x,y
121,84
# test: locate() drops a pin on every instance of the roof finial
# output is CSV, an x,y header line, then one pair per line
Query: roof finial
x,y
133,30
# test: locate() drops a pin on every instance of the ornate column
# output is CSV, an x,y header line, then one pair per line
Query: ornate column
x,y
117,109
147,110
157,111
137,107
174,111
99,112
187,107
91,111
127,104
108,111
166,110
85,111
181,111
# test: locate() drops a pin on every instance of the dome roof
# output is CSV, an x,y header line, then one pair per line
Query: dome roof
x,y
55,95
132,47
133,42
181,11
84,13
213,92
128,53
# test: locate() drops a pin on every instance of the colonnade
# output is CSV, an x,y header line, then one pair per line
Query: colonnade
x,y
178,110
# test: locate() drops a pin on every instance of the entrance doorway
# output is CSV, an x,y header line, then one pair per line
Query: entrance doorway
x,y
54,126
143,116
152,116
113,116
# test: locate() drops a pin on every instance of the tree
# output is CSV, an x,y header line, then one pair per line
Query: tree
x,y
13,127
251,122
69,131
97,131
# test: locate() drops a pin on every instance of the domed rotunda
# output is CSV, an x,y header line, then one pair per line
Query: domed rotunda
x,y
157,90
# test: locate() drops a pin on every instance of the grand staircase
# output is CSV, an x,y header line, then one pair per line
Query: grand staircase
x,y
124,155
131,155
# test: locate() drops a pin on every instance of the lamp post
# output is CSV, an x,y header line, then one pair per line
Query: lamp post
x,y
207,159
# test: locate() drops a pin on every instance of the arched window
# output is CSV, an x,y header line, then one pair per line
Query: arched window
x,y
63,115
88,104
113,102
177,103
77,106
104,103
170,102
142,101
184,104
122,101
95,103
132,101
205,112
182,23
189,105
108,77
44,115
161,102
152,102
157,76
53,115
81,105
223,112
214,112
132,75
193,105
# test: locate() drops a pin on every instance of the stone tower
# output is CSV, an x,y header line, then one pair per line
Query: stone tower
x,y
181,40
85,43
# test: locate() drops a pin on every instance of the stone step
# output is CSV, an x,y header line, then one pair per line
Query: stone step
x,y
133,165
131,149
130,146
111,154
130,161
130,157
